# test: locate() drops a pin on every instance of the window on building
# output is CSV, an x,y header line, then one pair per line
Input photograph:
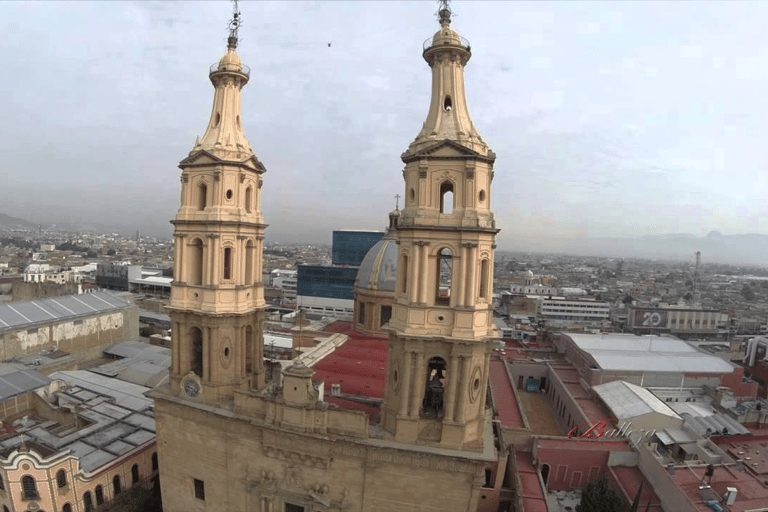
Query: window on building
x,y
403,273
2,483
361,313
248,200
99,491
87,502
29,488
61,479
446,197
196,262
116,485
443,278
155,465
196,345
134,474
386,315
290,507
228,263
202,196
66,508
199,489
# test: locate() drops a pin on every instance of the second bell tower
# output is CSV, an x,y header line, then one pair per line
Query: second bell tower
x,y
442,323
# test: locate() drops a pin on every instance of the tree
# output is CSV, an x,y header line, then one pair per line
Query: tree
x,y
598,496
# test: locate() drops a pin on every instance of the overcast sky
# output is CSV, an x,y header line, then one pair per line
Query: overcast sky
x,y
609,119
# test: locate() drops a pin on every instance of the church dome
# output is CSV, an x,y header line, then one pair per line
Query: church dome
x,y
378,270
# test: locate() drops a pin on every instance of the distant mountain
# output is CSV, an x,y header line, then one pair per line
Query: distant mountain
x,y
6,221
747,249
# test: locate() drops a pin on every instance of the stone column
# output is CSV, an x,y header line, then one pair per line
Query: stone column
x,y
418,385
424,272
461,281
462,395
450,396
175,347
411,275
405,385
241,278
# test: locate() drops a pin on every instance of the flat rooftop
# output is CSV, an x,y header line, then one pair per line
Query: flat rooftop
x,y
627,352
114,418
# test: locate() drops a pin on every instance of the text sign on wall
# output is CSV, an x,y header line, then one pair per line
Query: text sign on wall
x,y
650,319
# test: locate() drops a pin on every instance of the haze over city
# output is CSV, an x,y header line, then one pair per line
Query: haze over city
x,y
609,119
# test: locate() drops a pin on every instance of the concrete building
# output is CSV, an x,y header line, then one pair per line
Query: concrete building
x,y
284,280
682,322
78,325
560,311
278,445
116,276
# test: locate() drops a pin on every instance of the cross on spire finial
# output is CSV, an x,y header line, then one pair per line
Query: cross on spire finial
x,y
234,24
444,12
397,201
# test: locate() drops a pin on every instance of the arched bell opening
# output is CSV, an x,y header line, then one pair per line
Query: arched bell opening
x,y
433,402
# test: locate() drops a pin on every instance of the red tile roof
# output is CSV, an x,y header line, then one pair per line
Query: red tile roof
x,y
359,365
531,492
504,396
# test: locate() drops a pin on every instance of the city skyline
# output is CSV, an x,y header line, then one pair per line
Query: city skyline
x,y
621,121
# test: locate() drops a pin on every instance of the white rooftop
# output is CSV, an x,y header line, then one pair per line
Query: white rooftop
x,y
648,353
628,401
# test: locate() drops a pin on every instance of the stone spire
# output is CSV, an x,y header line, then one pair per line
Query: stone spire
x,y
225,136
447,53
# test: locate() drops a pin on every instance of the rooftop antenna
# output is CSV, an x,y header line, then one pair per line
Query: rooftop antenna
x,y
234,24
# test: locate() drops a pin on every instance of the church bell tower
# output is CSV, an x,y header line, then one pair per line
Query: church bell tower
x,y
217,296
442,324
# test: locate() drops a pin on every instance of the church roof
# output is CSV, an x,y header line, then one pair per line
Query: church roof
x,y
378,270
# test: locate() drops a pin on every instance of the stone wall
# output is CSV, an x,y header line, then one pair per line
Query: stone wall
x,y
84,338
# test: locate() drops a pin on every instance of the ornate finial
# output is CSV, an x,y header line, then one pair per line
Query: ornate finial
x,y
444,12
234,24
397,202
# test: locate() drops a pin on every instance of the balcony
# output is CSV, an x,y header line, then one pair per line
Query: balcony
x,y
463,44
244,71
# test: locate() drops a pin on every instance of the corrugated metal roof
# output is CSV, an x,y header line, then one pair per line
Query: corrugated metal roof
x,y
21,382
628,401
648,353
20,315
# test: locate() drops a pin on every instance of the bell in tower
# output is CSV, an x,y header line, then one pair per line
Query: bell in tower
x,y
442,324
217,296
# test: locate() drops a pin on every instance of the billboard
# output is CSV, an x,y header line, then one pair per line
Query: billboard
x,y
649,319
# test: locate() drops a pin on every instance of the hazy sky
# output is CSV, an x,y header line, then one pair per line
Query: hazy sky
x,y
615,119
